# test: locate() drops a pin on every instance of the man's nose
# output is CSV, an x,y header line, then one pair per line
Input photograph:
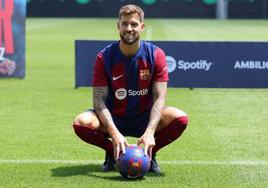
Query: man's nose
x,y
129,28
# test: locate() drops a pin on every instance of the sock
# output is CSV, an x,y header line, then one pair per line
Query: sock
x,y
170,133
96,138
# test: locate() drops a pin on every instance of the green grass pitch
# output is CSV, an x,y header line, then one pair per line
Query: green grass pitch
x,y
225,145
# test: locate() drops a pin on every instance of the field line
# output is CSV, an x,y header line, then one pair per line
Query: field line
x,y
173,162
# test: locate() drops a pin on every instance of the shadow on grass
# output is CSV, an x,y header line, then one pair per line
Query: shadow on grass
x,y
151,174
94,170
66,171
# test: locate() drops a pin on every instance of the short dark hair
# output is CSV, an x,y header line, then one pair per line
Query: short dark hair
x,y
131,9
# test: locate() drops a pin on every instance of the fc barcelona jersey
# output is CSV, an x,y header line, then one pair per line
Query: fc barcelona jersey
x,y
130,78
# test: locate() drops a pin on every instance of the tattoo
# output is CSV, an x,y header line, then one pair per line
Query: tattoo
x,y
159,95
99,97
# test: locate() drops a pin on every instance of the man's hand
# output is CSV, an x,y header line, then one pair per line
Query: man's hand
x,y
149,142
118,140
159,94
119,143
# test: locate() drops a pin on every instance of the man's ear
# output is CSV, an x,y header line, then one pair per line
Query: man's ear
x,y
117,25
142,26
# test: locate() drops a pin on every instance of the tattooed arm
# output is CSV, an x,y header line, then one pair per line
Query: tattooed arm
x,y
159,94
99,97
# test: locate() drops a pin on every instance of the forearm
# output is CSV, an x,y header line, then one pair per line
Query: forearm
x,y
155,115
106,120
99,96
159,94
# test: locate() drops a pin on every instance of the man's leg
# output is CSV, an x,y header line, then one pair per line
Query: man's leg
x,y
87,128
172,125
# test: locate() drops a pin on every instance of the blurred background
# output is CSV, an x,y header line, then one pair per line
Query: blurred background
x,y
233,9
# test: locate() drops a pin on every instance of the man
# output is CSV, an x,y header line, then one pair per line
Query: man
x,y
129,89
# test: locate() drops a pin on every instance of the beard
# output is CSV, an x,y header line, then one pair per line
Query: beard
x,y
129,39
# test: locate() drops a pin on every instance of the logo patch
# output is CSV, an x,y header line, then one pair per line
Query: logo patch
x,y
145,74
121,93
117,77
171,64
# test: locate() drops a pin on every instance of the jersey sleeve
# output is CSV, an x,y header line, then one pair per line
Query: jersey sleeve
x,y
100,77
160,70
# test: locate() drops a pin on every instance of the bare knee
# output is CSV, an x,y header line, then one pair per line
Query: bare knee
x,y
171,113
82,120
88,119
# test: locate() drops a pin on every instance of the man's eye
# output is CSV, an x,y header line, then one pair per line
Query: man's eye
x,y
124,24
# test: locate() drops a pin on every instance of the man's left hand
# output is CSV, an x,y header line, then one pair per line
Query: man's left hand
x,y
149,142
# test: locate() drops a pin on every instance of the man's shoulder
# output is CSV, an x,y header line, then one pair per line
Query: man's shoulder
x,y
151,48
111,47
147,43
151,45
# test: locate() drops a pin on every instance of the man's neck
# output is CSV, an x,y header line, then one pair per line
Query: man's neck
x,y
129,50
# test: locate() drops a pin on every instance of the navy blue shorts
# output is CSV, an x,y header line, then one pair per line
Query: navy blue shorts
x,y
134,127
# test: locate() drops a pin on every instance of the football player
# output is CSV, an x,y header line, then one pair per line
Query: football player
x,y
129,89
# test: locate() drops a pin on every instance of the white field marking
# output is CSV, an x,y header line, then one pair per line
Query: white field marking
x,y
174,162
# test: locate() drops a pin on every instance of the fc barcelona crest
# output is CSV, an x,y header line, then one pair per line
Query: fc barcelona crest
x,y
145,74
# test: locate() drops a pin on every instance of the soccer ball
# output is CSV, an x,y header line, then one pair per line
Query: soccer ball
x,y
133,164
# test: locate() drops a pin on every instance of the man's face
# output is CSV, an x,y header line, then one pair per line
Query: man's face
x,y
130,27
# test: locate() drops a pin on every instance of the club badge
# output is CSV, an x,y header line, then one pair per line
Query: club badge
x,y
145,74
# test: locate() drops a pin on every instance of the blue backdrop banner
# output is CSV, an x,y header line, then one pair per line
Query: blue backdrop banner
x,y
194,64
12,38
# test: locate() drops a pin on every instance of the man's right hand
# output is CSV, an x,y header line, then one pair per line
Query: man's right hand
x,y
119,143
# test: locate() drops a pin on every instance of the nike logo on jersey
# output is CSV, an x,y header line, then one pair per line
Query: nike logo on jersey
x,y
117,77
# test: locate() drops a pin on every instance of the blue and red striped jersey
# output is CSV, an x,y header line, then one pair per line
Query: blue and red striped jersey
x,y
130,79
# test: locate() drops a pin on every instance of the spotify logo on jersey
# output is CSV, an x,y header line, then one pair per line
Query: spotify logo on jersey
x,y
121,93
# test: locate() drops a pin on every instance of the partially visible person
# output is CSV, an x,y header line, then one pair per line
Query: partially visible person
x,y
129,90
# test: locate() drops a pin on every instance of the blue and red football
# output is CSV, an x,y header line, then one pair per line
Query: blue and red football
x,y
133,164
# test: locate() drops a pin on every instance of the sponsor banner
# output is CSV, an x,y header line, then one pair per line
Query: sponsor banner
x,y
194,64
12,38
